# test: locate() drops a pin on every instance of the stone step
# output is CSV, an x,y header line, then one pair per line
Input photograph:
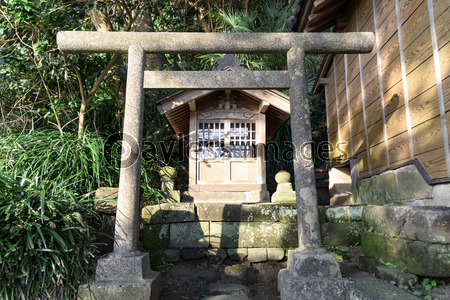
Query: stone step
x,y
366,287
226,289
226,297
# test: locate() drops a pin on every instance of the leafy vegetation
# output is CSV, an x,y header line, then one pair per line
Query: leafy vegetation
x,y
46,246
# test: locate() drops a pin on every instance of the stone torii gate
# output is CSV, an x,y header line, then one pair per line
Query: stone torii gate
x,y
126,271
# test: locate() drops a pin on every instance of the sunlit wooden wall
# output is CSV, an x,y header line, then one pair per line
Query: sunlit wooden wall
x,y
393,105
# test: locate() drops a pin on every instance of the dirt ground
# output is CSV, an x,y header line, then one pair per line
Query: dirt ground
x,y
186,279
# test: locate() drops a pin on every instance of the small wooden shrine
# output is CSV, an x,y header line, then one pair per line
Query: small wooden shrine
x,y
227,132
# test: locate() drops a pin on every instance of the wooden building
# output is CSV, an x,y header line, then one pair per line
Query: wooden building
x,y
225,128
391,107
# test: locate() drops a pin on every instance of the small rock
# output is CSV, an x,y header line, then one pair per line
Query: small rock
x,y
107,207
393,274
238,254
226,297
191,254
216,256
215,289
275,253
235,274
257,254
171,255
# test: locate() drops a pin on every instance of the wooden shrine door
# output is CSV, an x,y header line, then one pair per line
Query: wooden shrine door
x,y
227,156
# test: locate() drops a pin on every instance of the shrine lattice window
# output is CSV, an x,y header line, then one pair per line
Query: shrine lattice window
x,y
226,139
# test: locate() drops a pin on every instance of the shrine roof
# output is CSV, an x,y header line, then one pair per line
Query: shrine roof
x,y
318,15
177,107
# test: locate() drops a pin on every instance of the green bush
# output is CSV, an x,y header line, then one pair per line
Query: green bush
x,y
46,246
46,186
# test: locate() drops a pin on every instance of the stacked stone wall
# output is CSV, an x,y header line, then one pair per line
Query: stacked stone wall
x,y
401,186
416,239
253,232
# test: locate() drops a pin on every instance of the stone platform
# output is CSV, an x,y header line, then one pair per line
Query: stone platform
x,y
353,286
123,276
226,197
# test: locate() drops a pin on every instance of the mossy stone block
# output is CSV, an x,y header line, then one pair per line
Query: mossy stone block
x,y
322,216
411,185
247,213
345,233
420,258
253,235
189,235
168,213
156,237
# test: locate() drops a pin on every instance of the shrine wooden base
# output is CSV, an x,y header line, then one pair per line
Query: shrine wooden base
x,y
226,197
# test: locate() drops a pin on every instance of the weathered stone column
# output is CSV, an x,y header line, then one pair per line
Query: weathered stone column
x,y
126,273
309,259
127,217
305,185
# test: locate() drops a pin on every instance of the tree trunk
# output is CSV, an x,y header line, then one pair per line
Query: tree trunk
x,y
144,23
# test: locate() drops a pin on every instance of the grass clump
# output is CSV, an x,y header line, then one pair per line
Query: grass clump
x,y
46,216
46,246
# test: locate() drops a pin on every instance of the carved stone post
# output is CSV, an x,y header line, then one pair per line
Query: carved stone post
x,y
127,217
312,271
126,273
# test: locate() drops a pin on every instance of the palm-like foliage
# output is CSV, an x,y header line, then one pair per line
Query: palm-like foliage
x,y
271,17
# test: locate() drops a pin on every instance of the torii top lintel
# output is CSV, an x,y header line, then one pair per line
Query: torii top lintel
x,y
180,42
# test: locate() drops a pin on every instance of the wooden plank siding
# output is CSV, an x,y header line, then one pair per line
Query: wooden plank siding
x,y
390,106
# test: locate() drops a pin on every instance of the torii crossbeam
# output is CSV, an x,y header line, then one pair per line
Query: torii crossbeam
x,y
126,263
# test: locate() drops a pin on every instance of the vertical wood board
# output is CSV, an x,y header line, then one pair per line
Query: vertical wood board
x,y
434,163
370,71
364,13
373,112
362,165
416,25
378,157
396,122
356,104
340,73
358,123
387,28
418,52
372,92
421,79
352,68
345,142
390,51
407,8
333,125
424,107
446,89
427,136
359,142
332,106
375,134
398,148
343,116
394,98
392,74
354,91
442,28
444,59
383,11
440,6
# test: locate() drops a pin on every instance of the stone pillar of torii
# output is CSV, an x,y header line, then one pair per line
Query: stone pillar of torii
x,y
127,264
